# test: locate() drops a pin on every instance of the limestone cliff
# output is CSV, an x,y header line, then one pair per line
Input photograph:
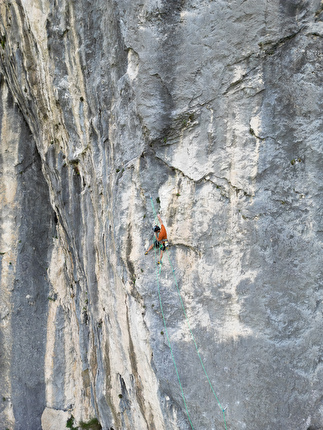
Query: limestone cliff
x,y
213,108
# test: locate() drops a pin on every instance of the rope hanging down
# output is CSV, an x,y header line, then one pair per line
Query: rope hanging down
x,y
169,344
192,336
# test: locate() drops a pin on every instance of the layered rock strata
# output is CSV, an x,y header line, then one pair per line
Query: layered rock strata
x,y
213,108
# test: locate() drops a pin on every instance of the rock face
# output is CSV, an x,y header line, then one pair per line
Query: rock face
x,y
214,109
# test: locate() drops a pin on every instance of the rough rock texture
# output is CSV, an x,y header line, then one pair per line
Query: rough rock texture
x,y
214,109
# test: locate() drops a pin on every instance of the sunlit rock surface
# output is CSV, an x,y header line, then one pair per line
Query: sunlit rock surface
x,y
214,109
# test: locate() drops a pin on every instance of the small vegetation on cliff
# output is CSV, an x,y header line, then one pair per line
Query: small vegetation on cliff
x,y
3,41
70,423
93,424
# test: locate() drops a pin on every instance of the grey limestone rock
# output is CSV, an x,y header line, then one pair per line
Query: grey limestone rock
x,y
212,111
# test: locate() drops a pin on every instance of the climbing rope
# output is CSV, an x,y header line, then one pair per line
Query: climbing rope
x,y
169,344
188,323
197,350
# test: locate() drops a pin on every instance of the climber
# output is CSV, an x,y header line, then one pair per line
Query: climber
x,y
161,240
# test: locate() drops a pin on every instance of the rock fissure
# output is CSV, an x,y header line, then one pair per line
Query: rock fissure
x,y
274,45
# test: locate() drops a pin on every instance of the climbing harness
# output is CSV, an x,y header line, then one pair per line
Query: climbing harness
x,y
158,271
163,245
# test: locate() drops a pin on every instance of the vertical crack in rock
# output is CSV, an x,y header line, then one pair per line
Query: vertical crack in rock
x,y
128,254
109,387
137,382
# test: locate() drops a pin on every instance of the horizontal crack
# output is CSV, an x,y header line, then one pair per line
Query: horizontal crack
x,y
274,45
252,132
184,245
204,178
239,81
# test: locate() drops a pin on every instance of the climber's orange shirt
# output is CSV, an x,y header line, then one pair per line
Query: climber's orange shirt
x,y
162,234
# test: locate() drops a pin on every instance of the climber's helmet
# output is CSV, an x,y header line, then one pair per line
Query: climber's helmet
x,y
156,228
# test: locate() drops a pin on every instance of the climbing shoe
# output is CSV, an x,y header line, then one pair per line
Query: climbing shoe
x,y
159,262
146,253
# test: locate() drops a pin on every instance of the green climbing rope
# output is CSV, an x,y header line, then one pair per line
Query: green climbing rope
x,y
188,323
197,350
158,270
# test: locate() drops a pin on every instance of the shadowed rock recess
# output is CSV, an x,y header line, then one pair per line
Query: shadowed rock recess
x,y
214,109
